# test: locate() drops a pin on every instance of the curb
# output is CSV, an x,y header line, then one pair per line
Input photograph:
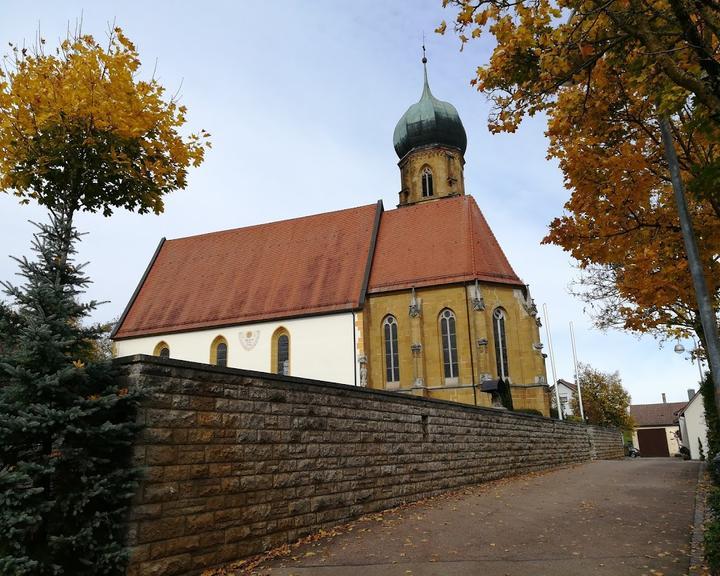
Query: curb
x,y
697,552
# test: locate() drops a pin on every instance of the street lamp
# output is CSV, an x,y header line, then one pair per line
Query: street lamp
x,y
706,311
679,349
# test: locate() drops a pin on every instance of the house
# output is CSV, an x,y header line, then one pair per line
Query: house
x,y
418,299
567,391
657,431
693,429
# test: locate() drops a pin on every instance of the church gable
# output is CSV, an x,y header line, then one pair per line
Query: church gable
x,y
311,265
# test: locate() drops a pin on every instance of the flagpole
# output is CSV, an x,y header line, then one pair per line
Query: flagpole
x,y
552,362
577,379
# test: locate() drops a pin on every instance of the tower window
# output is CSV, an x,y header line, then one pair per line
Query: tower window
x,y
449,344
219,352
500,343
392,360
281,352
427,182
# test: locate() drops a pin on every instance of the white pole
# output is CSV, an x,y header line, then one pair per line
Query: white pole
x,y
552,362
577,380
697,359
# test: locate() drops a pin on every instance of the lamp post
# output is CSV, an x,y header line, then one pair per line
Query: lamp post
x,y
679,349
702,295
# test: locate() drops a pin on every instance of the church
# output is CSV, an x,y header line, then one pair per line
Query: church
x,y
419,299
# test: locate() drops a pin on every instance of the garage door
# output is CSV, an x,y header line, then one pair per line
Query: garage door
x,y
653,442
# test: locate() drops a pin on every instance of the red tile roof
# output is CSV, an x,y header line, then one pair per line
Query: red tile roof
x,y
664,414
312,265
309,265
437,242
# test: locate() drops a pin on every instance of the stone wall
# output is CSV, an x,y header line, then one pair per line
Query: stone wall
x,y
238,461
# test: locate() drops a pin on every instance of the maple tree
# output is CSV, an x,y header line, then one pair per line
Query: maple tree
x,y
621,223
605,401
80,131
604,73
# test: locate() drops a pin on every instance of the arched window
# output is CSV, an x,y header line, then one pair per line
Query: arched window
x,y
449,344
392,359
281,352
427,182
162,350
219,351
500,343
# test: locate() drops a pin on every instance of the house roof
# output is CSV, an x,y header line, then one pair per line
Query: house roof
x,y
312,265
435,243
663,414
697,397
565,383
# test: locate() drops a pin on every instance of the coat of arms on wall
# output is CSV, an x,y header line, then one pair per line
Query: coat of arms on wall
x,y
249,338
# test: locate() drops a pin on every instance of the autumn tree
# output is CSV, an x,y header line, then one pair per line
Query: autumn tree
x,y
603,73
605,401
79,130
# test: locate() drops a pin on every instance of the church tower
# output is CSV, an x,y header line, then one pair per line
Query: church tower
x,y
430,141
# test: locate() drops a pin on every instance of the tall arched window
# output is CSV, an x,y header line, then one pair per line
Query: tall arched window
x,y
449,344
281,352
219,351
500,343
162,350
392,359
427,182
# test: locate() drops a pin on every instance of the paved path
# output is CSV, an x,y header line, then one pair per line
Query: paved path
x,y
613,518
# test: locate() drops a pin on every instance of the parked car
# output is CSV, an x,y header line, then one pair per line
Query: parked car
x,y
631,451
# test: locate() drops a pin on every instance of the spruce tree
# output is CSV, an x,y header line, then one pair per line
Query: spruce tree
x,y
66,428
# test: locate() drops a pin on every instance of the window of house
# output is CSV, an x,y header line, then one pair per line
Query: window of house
x,y
564,404
219,351
427,182
162,350
392,360
501,358
449,344
281,352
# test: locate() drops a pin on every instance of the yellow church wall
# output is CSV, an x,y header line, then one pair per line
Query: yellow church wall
x,y
424,375
525,363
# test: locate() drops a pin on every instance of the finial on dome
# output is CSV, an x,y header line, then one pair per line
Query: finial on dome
x,y
426,86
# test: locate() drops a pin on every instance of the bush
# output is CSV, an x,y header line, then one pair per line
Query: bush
x,y
712,531
528,411
711,416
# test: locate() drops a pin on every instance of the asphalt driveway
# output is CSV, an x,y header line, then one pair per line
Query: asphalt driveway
x,y
613,518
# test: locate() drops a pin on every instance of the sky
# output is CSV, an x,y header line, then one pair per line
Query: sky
x,y
301,98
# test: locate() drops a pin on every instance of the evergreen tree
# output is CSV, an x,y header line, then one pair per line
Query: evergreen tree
x,y
711,416
9,327
66,429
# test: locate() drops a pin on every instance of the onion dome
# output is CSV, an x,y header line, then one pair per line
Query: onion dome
x,y
429,121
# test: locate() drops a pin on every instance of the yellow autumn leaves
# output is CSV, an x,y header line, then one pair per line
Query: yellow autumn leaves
x,y
78,127
603,72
